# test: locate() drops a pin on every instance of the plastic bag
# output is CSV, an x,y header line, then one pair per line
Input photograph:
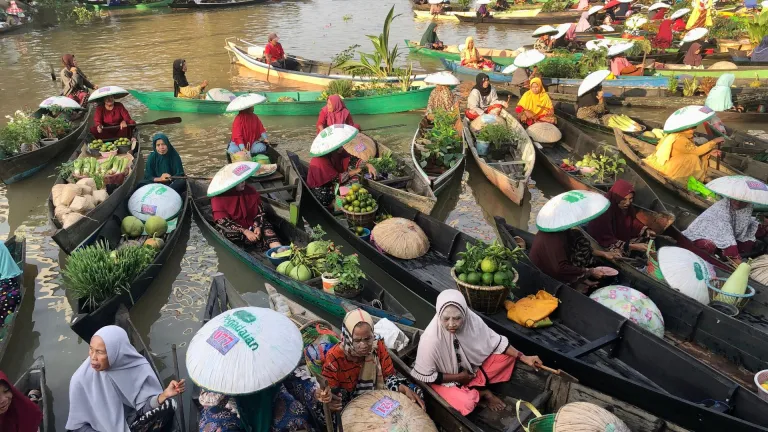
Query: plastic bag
x,y
393,337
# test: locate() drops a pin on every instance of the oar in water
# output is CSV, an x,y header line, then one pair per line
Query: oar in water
x,y
158,122
384,127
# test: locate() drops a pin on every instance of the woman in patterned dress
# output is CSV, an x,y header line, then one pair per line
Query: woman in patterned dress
x,y
239,216
10,291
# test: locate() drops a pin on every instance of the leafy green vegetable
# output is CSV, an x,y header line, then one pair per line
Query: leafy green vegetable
x,y
385,164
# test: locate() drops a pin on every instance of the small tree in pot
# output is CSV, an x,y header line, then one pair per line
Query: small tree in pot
x,y
344,271
501,139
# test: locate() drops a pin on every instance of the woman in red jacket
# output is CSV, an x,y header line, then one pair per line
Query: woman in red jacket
x,y
111,113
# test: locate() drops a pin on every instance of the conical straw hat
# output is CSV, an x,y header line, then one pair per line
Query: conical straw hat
x,y
659,6
592,80
332,138
483,2
585,416
606,27
442,78
230,176
679,13
401,238
529,58
545,29
245,101
544,133
687,117
619,48
695,34
561,30
244,350
102,92
570,209
385,411
60,101
435,1
686,272
362,146
594,9
742,188
512,68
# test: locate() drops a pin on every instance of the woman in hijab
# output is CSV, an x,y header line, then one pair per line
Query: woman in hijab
x,y
18,413
482,97
726,228
470,56
658,13
111,113
248,133
760,53
535,105
543,43
114,386
483,11
592,105
181,87
677,157
460,356
239,217
583,25
621,66
619,229
693,55
441,98
334,112
429,39
360,363
163,163
719,98
338,167
663,39
74,83
701,14
10,291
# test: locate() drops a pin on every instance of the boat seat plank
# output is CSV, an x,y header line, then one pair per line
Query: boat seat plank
x,y
280,195
593,346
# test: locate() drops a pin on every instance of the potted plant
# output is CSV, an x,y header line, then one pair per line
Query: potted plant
x,y
672,83
20,135
386,166
442,145
604,166
331,270
342,274
53,128
500,139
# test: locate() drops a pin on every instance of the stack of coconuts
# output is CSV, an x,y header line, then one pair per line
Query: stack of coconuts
x,y
155,228
73,200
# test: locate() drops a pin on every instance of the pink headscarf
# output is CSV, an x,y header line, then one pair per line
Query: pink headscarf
x,y
583,24
571,33
619,63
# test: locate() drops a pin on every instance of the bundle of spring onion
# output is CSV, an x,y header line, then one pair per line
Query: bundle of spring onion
x,y
90,166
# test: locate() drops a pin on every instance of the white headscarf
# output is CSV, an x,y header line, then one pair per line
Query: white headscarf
x,y
98,398
476,342
723,225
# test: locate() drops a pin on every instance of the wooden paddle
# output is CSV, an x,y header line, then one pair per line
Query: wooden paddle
x,y
385,127
181,397
158,122
561,373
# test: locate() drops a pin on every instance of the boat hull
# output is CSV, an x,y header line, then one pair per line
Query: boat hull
x,y
440,181
744,72
539,19
139,6
214,5
34,379
18,250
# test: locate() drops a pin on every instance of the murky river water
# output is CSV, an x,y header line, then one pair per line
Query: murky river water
x,y
136,50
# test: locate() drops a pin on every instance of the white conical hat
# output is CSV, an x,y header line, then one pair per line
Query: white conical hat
x,y
764,4
686,272
570,209
483,2
545,29
332,138
606,27
60,101
635,21
529,58
245,101
101,92
592,80
687,117
594,9
562,29
679,13
620,48
231,175
659,6
442,78
695,34
512,68
244,350
435,1
742,188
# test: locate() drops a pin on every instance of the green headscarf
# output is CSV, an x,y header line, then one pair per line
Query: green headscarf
x,y
8,267
429,37
719,98
158,164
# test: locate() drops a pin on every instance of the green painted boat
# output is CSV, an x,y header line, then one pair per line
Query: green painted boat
x,y
306,103
743,72
138,6
451,52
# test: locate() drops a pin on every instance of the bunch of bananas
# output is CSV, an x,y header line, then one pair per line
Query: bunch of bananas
x,y
624,123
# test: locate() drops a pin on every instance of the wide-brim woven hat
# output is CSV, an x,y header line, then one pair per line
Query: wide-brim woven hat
x,y
686,272
633,305
245,101
231,175
658,6
545,133
679,13
592,80
401,238
545,29
619,48
695,34
102,92
442,78
562,29
595,9
331,139
570,209
362,147
529,58
385,410
244,350
741,188
610,4
585,416
435,1
60,101
687,117
512,68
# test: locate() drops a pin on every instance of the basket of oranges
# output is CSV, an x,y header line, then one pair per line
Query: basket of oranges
x,y
358,206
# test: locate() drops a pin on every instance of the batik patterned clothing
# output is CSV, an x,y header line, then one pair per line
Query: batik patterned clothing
x,y
10,297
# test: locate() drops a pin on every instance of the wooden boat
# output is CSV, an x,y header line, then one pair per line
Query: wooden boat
x,y
70,238
511,173
437,178
303,104
137,6
18,250
34,379
537,20
193,4
86,321
9,29
373,297
452,52
750,145
526,12
743,72
24,165
606,351
310,71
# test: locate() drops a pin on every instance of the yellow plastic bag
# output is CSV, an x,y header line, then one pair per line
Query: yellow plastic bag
x,y
528,311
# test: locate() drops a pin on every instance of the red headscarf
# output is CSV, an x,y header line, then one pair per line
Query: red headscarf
x,y
325,169
679,25
663,38
659,14
339,115
616,224
240,206
247,129
23,415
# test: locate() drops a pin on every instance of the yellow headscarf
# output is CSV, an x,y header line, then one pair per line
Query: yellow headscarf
x,y
538,104
664,148
468,54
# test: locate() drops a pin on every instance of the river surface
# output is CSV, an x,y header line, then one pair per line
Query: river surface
x,y
136,50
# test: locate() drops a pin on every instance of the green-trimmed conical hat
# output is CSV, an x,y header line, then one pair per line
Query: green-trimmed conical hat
x,y
332,138
231,175
570,209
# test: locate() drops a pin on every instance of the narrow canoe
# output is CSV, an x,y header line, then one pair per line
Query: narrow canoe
x,y
511,174
18,250
606,351
304,104
437,178
750,145
214,4
137,6
455,16
537,20
86,321
451,52
311,72
374,298
34,379
14,28
70,238
743,72
24,165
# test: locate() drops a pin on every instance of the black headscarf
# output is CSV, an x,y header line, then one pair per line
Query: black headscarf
x,y
589,98
179,77
485,91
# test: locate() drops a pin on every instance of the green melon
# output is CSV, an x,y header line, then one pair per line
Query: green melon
x,y
132,226
156,226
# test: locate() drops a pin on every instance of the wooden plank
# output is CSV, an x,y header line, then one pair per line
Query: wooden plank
x,y
593,346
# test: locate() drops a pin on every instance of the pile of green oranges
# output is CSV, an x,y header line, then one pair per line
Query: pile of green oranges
x,y
358,200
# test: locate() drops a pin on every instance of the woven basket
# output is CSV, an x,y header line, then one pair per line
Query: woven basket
x,y
365,220
485,299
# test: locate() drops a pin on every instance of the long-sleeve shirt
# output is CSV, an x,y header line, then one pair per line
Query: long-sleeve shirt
x,y
113,117
71,83
478,103
149,405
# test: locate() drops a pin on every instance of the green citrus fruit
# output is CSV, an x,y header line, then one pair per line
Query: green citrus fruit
x,y
473,278
500,278
487,278
488,265
463,277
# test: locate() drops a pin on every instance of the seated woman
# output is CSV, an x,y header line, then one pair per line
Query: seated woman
x,y
334,112
163,163
360,363
74,83
436,9
441,98
239,217
543,43
501,5
619,229
111,113
18,412
248,133
325,172
693,54
760,52
719,98
483,11
663,38
592,105
10,291
535,105
521,77
471,58
726,228
585,22
482,98
621,66
678,158
114,386
460,356
181,87
430,40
